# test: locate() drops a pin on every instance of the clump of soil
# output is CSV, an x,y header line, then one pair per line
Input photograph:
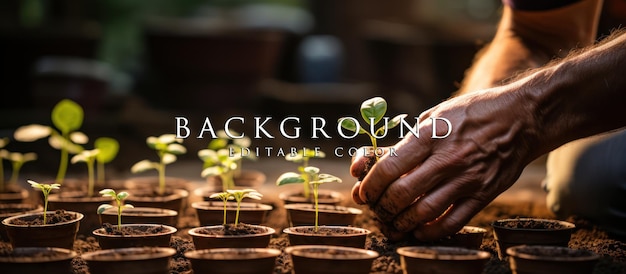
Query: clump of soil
x,y
371,160
530,224
233,230
110,229
59,216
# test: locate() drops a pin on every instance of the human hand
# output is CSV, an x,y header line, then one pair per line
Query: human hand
x,y
432,187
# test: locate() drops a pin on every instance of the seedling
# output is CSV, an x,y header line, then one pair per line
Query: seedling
x,y
238,196
303,157
119,203
316,178
67,117
220,163
373,111
88,157
45,188
17,161
167,147
237,145
108,150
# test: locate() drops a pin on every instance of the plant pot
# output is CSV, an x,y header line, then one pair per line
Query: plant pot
x,y
176,200
205,193
325,197
530,231
9,210
327,235
330,259
247,179
468,237
141,215
134,260
32,260
60,234
537,259
109,238
202,240
304,214
14,195
441,259
152,182
212,213
78,201
233,260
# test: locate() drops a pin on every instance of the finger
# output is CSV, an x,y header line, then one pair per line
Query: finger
x,y
409,152
355,193
452,221
363,160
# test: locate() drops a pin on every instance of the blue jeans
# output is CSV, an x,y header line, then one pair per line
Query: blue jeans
x,y
587,178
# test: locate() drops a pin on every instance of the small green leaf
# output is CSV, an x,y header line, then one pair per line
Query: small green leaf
x,y
103,207
211,171
107,192
176,149
289,178
169,158
143,165
79,137
31,133
122,195
67,116
108,147
128,206
216,144
373,108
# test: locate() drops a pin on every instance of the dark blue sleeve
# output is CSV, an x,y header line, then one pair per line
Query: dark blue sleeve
x,y
536,5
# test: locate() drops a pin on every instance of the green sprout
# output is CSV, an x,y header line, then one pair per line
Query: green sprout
x,y
303,157
316,178
220,163
237,145
109,148
119,203
88,157
167,147
17,161
373,111
238,196
45,188
67,117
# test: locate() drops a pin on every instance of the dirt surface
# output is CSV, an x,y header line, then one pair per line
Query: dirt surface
x,y
586,236
59,216
111,229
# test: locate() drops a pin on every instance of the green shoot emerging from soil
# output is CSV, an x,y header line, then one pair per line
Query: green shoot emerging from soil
x,y
119,203
220,163
167,147
316,178
17,161
88,157
373,111
109,148
238,196
67,117
45,188
303,157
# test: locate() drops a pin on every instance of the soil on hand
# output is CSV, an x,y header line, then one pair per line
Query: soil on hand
x,y
133,230
234,230
59,216
371,160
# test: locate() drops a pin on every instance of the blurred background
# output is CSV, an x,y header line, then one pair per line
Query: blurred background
x,y
136,64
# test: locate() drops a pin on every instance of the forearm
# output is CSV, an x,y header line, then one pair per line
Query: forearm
x,y
582,95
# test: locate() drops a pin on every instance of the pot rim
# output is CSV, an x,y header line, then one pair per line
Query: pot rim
x,y
7,221
564,225
324,208
206,205
292,231
301,251
30,209
193,232
69,254
417,252
518,251
60,198
177,194
105,255
142,212
250,253
284,195
170,230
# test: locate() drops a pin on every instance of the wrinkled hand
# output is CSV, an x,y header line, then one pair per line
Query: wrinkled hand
x,y
433,187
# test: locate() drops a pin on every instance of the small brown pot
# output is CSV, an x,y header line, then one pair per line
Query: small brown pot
x,y
331,259
248,178
111,241
31,260
325,197
304,214
327,235
141,215
134,260
9,210
205,241
530,231
14,195
212,213
468,237
537,259
78,201
439,259
60,235
152,182
233,260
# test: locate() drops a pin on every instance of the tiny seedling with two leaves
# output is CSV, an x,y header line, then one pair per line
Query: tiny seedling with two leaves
x,y
119,203
17,161
220,163
167,147
46,189
105,151
302,157
238,196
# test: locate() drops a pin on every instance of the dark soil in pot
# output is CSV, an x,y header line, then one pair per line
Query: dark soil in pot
x,y
29,230
239,236
445,260
525,259
327,235
78,201
134,235
141,215
36,260
530,231
9,210
233,260
304,214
